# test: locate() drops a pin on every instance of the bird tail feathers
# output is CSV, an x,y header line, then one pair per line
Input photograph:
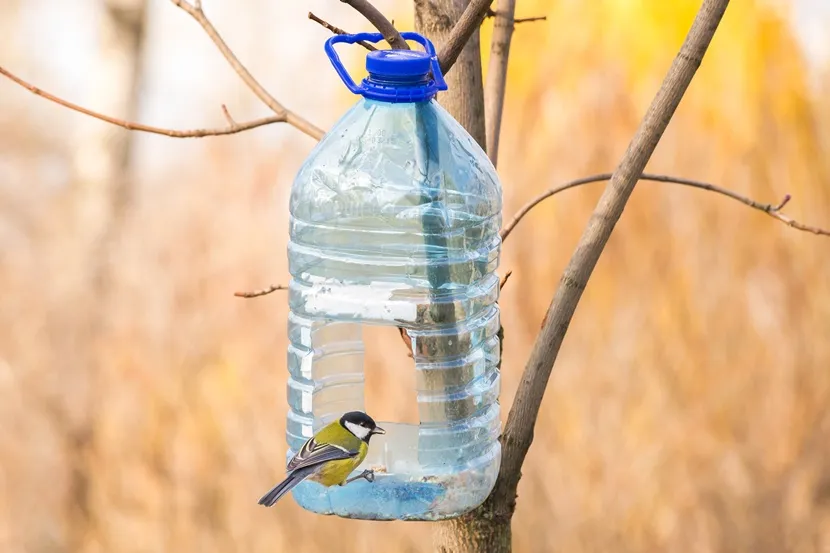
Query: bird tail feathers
x,y
275,493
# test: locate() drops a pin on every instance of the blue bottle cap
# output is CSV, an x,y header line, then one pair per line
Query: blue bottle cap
x,y
396,64
394,75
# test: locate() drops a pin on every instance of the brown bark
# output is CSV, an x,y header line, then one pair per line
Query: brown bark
x,y
497,74
371,13
474,533
464,100
467,25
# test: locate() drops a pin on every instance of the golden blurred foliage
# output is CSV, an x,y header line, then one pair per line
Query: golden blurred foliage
x,y
689,409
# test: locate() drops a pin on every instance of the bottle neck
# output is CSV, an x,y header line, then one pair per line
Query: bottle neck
x,y
399,88
398,80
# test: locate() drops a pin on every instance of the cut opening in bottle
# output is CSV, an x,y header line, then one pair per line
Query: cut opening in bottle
x,y
389,368
439,456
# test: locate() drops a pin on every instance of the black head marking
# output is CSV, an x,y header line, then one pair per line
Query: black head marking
x,y
360,424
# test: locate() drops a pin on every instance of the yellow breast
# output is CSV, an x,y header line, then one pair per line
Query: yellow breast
x,y
336,472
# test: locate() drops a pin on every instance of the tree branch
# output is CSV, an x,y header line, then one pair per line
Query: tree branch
x,y
286,115
338,31
773,211
263,292
232,127
283,115
518,433
493,13
469,21
504,279
373,15
530,19
494,88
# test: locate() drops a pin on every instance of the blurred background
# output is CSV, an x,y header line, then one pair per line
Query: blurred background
x,y
142,405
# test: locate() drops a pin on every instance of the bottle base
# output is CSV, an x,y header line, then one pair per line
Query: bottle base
x,y
401,497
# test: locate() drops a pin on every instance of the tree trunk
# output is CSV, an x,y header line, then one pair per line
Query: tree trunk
x,y
101,194
474,533
465,97
497,75
101,161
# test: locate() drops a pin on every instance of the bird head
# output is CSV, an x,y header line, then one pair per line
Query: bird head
x,y
361,425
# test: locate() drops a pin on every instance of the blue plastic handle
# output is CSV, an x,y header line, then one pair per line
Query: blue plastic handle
x,y
437,76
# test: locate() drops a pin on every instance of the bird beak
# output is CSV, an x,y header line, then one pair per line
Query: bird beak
x,y
378,430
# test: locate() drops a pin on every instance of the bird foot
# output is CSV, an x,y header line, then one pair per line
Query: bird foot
x,y
369,475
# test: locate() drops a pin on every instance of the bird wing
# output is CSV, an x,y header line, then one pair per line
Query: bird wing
x,y
314,453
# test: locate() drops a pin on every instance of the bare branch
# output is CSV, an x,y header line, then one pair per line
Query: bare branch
x,y
283,115
504,279
232,127
496,85
493,13
407,341
494,88
773,211
530,19
263,292
338,31
227,115
373,15
286,115
469,21
518,433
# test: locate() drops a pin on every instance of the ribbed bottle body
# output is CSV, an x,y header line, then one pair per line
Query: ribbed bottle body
x,y
394,221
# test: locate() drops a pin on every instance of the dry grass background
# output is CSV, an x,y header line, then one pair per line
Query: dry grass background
x,y
689,407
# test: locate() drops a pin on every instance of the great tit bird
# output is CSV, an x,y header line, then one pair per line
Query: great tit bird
x,y
329,456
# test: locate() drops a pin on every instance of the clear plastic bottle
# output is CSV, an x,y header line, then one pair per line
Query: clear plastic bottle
x,y
395,219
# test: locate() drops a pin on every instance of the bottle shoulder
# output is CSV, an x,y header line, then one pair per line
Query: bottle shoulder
x,y
381,154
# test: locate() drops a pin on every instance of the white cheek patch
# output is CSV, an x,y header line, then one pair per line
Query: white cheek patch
x,y
359,431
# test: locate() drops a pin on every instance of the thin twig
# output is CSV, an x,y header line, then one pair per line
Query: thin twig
x,y
773,211
227,115
338,31
494,88
493,13
407,341
286,115
232,128
263,292
518,431
504,279
373,15
530,19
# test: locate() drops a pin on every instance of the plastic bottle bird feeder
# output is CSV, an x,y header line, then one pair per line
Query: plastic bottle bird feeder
x,y
395,219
